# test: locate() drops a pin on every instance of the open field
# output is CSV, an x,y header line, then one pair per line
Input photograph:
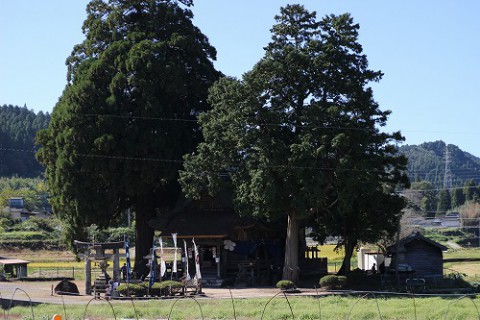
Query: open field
x,y
455,261
249,304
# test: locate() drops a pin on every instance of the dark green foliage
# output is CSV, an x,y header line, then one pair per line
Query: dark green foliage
x,y
132,289
118,234
444,202
127,115
445,235
333,282
30,233
428,201
18,127
299,137
457,198
24,236
33,192
285,284
471,190
164,288
169,287
427,162
425,196
38,224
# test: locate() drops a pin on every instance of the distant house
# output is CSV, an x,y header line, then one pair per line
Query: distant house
x,y
16,207
16,203
19,211
418,255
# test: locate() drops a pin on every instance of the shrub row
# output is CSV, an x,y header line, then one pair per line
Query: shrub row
x,y
164,288
32,244
23,235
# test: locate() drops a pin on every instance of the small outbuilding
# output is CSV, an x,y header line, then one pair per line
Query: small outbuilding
x,y
17,268
418,255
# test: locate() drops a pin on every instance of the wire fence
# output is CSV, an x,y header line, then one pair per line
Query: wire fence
x,y
347,309
51,273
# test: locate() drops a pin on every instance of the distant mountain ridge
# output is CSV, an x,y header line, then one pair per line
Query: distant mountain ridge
x,y
427,162
18,127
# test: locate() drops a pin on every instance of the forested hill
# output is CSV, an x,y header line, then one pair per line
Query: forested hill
x,y
427,162
18,127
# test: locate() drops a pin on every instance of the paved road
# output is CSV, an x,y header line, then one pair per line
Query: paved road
x,y
454,245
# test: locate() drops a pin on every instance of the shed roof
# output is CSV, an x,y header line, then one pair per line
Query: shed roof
x,y
7,261
403,243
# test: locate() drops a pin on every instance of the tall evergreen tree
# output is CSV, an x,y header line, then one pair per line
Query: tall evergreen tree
x,y
444,202
285,132
127,115
423,194
361,205
458,198
471,191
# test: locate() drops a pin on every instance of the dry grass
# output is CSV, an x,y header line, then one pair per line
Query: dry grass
x,y
39,255
328,251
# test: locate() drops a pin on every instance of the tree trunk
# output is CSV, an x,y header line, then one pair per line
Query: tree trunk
x,y
144,212
346,264
290,267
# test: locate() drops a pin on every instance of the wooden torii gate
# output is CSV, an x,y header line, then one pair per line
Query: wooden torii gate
x,y
96,251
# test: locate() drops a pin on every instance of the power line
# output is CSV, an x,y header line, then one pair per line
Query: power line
x,y
251,124
129,158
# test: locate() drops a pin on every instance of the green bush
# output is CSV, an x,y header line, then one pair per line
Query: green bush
x,y
285,284
333,282
155,290
132,289
170,287
23,235
164,288
118,234
38,224
6,222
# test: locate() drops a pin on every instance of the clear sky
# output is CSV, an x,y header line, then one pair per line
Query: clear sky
x,y
428,50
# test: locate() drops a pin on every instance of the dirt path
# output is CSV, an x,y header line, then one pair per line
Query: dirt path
x,y
42,292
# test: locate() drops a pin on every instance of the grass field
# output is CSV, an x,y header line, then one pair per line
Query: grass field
x,y
279,307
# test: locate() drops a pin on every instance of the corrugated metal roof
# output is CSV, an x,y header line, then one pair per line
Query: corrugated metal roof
x,y
13,261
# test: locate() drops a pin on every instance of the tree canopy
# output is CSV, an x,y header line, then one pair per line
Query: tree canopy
x,y
298,134
19,126
127,114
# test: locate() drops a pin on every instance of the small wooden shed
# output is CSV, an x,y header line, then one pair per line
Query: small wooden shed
x,y
418,255
16,267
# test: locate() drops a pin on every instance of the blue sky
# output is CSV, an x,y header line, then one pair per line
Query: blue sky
x,y
427,49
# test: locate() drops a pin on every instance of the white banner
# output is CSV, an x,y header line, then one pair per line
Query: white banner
x,y
198,275
174,267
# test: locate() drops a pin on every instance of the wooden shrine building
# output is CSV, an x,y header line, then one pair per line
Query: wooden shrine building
x,y
232,249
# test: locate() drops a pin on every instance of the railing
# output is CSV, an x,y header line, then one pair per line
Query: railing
x,y
52,273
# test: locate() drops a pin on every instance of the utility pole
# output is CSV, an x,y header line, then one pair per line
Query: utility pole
x,y
447,176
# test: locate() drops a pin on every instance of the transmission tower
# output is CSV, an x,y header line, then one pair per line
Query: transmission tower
x,y
448,176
